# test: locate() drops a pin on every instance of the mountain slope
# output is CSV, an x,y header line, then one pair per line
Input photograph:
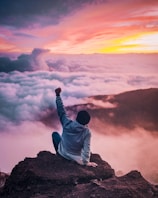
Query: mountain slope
x,y
133,109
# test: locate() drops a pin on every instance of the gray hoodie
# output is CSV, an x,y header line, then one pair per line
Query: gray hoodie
x,y
75,140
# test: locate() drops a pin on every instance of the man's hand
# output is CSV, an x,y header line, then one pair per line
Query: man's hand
x,y
58,91
93,164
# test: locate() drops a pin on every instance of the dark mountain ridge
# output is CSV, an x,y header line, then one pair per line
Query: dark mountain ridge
x,y
131,109
137,108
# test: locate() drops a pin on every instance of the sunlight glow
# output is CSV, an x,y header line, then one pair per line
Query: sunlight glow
x,y
139,43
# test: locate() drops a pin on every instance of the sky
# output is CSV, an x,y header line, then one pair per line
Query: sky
x,y
79,27
87,48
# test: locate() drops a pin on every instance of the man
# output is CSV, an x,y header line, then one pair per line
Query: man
x,y
74,144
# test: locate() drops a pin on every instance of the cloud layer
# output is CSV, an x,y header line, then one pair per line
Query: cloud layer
x,y
28,113
29,95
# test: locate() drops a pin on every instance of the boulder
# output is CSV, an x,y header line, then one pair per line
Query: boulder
x,y
49,175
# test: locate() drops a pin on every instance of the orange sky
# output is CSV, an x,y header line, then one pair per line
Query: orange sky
x,y
108,27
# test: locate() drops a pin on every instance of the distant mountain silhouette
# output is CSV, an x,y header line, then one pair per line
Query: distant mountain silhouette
x,y
134,109
130,109
49,175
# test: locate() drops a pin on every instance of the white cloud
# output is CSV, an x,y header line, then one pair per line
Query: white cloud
x,y
24,96
101,104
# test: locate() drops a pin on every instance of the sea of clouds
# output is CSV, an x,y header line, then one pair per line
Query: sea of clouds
x,y
27,95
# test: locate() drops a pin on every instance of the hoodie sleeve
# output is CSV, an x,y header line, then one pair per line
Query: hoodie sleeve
x,y
61,111
86,148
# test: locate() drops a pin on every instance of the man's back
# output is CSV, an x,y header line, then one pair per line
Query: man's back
x,y
73,137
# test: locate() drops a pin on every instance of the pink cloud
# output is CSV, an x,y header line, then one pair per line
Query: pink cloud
x,y
90,28
129,150
7,46
94,26
101,104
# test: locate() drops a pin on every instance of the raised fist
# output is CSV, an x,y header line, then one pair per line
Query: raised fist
x,y
58,91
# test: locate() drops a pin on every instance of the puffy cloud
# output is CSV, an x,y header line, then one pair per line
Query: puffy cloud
x,y
29,95
25,62
101,104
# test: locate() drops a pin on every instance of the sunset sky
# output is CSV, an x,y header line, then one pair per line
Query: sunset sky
x,y
83,26
88,48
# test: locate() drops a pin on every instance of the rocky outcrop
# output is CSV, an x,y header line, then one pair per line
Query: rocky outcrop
x,y
49,175
3,177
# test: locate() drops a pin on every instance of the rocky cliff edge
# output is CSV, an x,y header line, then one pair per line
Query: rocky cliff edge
x,y
49,175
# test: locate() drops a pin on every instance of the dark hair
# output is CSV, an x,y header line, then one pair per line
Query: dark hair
x,y
83,117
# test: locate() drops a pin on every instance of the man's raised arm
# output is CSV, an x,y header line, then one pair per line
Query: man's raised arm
x,y
60,108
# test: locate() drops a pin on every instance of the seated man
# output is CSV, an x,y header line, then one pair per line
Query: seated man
x,y
74,144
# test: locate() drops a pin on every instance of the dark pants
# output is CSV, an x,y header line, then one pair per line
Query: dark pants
x,y
56,138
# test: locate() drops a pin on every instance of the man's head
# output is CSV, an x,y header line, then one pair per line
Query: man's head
x,y
83,117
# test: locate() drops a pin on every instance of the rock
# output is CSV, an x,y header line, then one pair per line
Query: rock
x,y
3,177
49,175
